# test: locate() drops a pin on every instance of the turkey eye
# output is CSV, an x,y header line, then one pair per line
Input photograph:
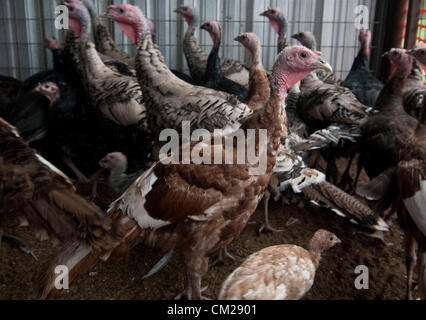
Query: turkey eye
x,y
121,10
303,55
331,238
422,52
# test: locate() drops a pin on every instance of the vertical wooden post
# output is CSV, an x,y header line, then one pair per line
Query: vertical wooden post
x,y
392,33
412,24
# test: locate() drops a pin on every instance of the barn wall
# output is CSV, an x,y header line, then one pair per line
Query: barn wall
x,y
25,23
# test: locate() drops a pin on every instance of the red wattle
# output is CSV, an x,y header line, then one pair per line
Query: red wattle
x,y
129,31
76,26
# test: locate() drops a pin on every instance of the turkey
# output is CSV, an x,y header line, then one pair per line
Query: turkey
x,y
290,169
384,133
279,24
414,90
38,194
117,96
206,213
214,77
322,105
169,100
197,58
411,184
307,39
283,272
103,40
360,80
30,113
116,163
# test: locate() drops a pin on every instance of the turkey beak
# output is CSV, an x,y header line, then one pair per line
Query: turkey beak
x,y
337,241
264,14
294,36
386,54
102,163
108,14
237,39
323,65
410,52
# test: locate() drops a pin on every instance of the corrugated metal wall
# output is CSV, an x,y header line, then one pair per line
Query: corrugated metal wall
x,y
25,23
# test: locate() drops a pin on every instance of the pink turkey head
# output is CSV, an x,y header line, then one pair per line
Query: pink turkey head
x,y
78,15
114,161
130,19
277,19
250,41
188,13
214,29
293,64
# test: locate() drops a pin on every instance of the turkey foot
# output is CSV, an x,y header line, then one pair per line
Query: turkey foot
x,y
221,257
192,289
266,227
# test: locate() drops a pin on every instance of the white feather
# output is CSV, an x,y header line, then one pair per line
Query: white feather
x,y
53,168
416,206
132,202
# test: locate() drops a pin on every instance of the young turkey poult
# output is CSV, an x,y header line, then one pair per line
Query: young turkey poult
x,y
183,206
283,272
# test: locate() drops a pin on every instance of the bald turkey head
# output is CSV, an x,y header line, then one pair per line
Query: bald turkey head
x,y
187,12
130,20
294,63
50,90
277,19
250,41
78,15
214,29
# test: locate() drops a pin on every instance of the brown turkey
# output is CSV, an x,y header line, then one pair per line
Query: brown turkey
x,y
411,176
282,272
211,211
290,169
197,58
385,132
36,193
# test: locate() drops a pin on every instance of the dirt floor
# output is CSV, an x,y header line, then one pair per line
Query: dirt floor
x,y
122,279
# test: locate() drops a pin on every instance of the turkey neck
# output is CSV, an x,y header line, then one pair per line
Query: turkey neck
x,y
282,35
390,98
117,174
214,69
365,48
190,42
315,250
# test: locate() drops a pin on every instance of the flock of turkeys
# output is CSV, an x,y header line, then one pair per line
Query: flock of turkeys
x,y
98,99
